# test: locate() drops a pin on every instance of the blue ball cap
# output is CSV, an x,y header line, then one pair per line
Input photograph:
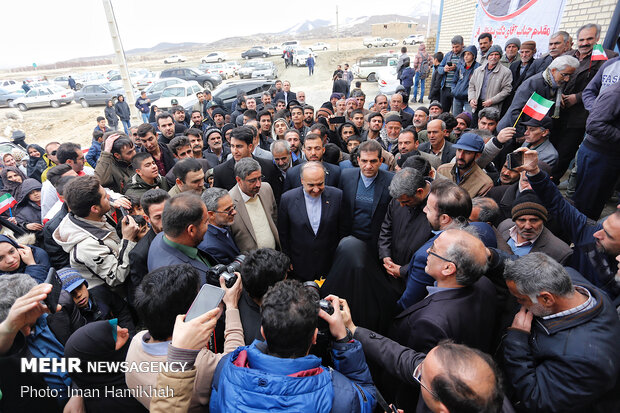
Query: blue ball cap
x,y
71,279
470,142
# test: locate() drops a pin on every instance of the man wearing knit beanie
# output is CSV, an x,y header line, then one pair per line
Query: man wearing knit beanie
x,y
511,52
520,66
526,232
463,121
490,84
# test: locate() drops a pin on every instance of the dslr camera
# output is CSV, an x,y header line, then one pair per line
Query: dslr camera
x,y
226,271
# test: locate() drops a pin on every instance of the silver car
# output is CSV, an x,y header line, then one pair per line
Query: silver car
x,y
154,91
51,95
7,97
266,70
97,94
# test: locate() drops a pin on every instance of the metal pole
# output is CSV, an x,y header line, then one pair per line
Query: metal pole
x,y
337,32
130,98
428,24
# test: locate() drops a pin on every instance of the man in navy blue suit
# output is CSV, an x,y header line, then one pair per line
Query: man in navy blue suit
x,y
308,223
218,241
366,195
314,149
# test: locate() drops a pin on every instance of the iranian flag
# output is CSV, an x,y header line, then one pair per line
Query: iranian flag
x,y
6,202
598,53
537,106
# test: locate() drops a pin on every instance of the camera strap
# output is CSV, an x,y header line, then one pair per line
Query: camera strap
x,y
384,405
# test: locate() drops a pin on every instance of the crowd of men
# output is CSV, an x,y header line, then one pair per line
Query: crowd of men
x,y
404,259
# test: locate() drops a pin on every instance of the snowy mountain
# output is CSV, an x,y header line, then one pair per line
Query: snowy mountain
x,y
306,26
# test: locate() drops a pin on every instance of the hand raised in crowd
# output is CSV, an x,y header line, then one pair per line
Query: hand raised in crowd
x,y
506,134
121,202
25,252
523,320
24,313
110,141
530,161
195,333
129,228
34,226
391,268
232,295
335,321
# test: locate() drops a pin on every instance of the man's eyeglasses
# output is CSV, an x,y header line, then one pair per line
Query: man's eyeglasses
x,y
433,253
228,212
417,376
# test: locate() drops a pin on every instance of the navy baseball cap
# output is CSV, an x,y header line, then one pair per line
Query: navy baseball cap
x,y
71,279
470,142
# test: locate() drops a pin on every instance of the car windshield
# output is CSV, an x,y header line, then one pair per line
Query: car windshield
x,y
264,66
302,51
173,92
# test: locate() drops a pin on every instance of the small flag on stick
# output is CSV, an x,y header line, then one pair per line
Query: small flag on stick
x,y
537,106
6,202
598,53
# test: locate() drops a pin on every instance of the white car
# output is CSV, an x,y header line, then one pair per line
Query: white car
x,y
175,58
234,66
275,51
147,80
301,55
386,80
213,57
388,41
52,95
184,93
318,46
413,39
221,69
266,70
245,71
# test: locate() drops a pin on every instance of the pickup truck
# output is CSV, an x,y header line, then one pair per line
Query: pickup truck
x,y
367,67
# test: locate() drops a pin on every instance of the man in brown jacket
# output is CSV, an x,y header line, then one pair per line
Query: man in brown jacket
x,y
114,168
465,172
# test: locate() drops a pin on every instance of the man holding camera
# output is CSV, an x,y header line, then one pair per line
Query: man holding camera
x,y
280,374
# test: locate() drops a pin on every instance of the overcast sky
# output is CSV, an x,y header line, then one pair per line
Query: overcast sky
x,y
48,31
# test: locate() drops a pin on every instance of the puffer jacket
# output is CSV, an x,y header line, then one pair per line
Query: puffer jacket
x,y
26,211
463,75
111,116
95,250
302,384
122,109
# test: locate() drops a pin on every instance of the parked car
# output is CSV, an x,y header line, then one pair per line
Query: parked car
x,y
153,92
388,41
97,94
254,88
366,67
234,65
184,93
221,69
318,46
379,42
275,51
10,84
93,77
290,43
245,72
62,81
175,58
213,57
266,70
147,80
254,52
7,96
413,39
300,56
386,80
207,80
52,95
6,146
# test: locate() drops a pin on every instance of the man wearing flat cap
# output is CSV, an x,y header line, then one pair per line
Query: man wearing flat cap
x,y
526,231
537,139
465,172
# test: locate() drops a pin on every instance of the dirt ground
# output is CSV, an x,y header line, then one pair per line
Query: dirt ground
x,y
73,123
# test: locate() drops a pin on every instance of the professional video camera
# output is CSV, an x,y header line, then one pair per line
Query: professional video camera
x,y
226,271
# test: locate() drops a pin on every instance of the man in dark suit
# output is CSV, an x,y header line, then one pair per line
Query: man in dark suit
x,y
218,240
285,94
241,146
308,222
340,86
184,225
460,306
314,149
152,203
437,144
283,156
366,195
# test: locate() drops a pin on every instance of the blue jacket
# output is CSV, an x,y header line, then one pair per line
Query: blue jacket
x,y
567,364
596,266
248,379
219,246
37,271
603,124
406,77
93,153
462,75
143,105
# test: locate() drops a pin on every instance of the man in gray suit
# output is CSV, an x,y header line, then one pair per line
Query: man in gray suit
x,y
255,226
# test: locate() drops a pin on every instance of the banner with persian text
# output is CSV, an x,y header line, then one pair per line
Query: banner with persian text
x,y
524,19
